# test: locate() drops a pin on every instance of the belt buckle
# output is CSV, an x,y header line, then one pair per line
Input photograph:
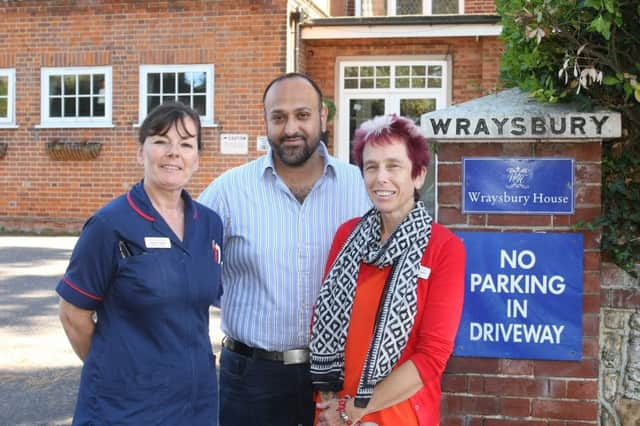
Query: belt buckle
x,y
295,356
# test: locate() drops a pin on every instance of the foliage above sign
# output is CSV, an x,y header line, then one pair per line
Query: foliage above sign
x,y
587,50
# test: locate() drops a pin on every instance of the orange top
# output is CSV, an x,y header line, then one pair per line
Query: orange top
x,y
359,336
363,315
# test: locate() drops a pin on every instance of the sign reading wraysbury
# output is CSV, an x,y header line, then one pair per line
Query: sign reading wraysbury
x,y
578,125
523,296
513,114
518,185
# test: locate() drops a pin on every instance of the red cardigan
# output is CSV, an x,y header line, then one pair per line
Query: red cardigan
x,y
440,299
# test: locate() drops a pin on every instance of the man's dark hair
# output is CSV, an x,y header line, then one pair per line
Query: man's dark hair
x,y
291,75
165,115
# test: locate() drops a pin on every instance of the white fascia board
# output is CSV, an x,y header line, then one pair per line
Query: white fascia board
x,y
399,31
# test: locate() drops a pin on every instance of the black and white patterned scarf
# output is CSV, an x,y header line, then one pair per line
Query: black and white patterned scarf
x,y
396,313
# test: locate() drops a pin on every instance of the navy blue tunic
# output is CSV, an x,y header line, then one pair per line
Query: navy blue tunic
x,y
150,360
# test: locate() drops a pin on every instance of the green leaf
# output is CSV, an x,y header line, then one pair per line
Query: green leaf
x,y
636,94
600,25
593,4
610,80
610,5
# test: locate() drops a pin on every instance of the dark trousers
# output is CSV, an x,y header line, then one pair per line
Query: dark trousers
x,y
255,392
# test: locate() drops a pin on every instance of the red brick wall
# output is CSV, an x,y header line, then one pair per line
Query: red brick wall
x,y
243,39
496,392
479,7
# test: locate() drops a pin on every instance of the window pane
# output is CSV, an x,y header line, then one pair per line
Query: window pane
x,y
69,107
366,71
169,82
55,85
418,83
70,85
153,83
351,71
402,83
98,106
55,107
98,84
366,83
84,84
199,82
4,111
403,70
435,82
361,110
414,108
184,82
351,83
383,71
418,70
185,100
84,107
408,7
152,102
4,86
444,6
383,83
200,104
435,70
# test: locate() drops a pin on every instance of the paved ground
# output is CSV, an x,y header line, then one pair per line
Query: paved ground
x,y
39,372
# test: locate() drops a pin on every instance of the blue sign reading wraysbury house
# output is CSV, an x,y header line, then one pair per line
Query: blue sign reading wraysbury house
x,y
523,296
518,185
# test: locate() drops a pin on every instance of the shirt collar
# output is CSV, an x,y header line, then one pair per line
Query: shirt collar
x,y
140,203
267,164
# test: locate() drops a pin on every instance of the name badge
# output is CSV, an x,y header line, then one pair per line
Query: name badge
x,y
424,272
157,242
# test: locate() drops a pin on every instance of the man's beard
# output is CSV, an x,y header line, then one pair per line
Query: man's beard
x,y
295,156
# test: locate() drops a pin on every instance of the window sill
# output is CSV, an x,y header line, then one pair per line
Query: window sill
x,y
74,125
73,151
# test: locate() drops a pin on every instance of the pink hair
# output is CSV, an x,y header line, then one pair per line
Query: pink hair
x,y
386,128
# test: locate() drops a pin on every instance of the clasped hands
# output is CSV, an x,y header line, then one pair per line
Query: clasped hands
x,y
336,411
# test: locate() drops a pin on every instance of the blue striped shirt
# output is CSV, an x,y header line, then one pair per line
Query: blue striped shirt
x,y
275,249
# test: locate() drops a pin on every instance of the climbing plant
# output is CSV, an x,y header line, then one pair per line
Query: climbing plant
x,y
587,51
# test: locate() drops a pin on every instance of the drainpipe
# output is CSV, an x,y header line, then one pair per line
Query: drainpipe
x,y
295,18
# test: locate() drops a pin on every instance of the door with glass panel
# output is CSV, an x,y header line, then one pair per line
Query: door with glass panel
x,y
409,89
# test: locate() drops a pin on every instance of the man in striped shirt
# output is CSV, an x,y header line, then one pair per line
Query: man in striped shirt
x,y
280,213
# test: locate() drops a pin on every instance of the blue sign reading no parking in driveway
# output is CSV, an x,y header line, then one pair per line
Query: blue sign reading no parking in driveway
x,y
523,296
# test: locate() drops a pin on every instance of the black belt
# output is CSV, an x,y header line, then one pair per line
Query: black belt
x,y
295,356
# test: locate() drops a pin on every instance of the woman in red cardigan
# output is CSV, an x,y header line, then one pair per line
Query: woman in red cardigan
x,y
388,312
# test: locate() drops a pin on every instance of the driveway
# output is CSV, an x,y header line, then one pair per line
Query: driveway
x,y
39,372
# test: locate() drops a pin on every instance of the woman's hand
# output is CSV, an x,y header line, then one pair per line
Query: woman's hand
x,y
331,409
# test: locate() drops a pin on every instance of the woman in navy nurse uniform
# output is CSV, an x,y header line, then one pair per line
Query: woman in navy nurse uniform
x,y
135,298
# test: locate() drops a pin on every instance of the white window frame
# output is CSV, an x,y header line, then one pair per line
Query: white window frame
x,y
442,95
46,121
10,119
205,120
391,7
